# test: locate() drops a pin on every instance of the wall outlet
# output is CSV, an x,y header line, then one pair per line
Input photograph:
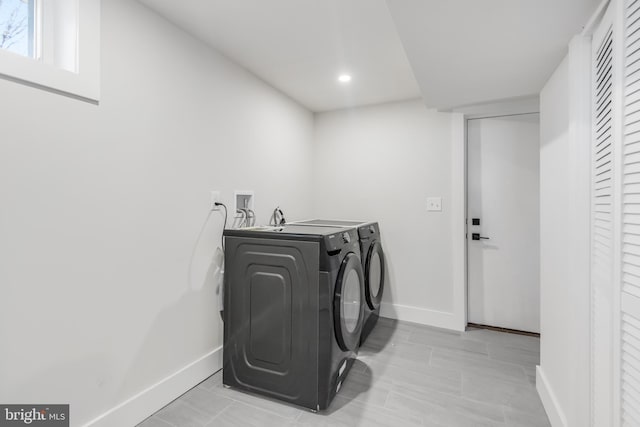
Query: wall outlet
x,y
215,198
434,204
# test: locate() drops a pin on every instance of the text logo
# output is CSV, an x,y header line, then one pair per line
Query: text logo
x,y
34,415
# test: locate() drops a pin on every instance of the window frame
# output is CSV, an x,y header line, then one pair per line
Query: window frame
x,y
83,81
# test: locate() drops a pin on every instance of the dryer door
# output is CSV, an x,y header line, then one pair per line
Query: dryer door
x,y
348,303
374,275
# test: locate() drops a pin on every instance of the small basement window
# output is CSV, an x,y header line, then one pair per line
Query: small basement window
x,y
17,26
53,45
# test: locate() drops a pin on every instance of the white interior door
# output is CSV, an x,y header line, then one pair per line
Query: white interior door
x,y
503,196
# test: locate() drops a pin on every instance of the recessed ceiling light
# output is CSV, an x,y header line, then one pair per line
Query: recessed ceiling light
x,y
344,78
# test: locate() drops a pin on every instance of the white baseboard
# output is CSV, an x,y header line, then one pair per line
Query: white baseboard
x,y
424,316
135,409
549,400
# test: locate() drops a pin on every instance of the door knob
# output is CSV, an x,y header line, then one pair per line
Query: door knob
x,y
477,236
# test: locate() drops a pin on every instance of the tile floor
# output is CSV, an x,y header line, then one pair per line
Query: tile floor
x,y
406,375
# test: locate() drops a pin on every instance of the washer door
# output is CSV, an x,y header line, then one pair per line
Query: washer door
x,y
374,275
348,303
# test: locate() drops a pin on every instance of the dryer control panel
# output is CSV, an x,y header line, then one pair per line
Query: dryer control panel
x,y
369,231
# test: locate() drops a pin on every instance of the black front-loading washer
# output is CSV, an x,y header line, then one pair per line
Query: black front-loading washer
x,y
373,264
294,309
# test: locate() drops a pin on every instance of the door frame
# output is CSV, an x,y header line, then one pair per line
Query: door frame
x,y
524,110
459,118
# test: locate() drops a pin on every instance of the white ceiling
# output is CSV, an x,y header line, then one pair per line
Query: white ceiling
x,y
301,46
461,51
471,51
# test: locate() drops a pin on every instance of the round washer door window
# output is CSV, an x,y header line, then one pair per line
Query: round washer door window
x,y
374,283
348,303
351,300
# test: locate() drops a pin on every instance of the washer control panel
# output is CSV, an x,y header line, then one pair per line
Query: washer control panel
x,y
337,241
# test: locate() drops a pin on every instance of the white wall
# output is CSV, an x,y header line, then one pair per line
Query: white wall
x,y
101,206
381,163
564,375
554,226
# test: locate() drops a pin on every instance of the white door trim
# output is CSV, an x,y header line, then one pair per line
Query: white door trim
x,y
459,120
459,214
509,111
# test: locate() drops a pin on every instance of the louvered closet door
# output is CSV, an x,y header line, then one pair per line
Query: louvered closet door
x,y
602,228
630,287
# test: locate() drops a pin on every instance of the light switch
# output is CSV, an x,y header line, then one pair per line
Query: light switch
x,y
434,204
